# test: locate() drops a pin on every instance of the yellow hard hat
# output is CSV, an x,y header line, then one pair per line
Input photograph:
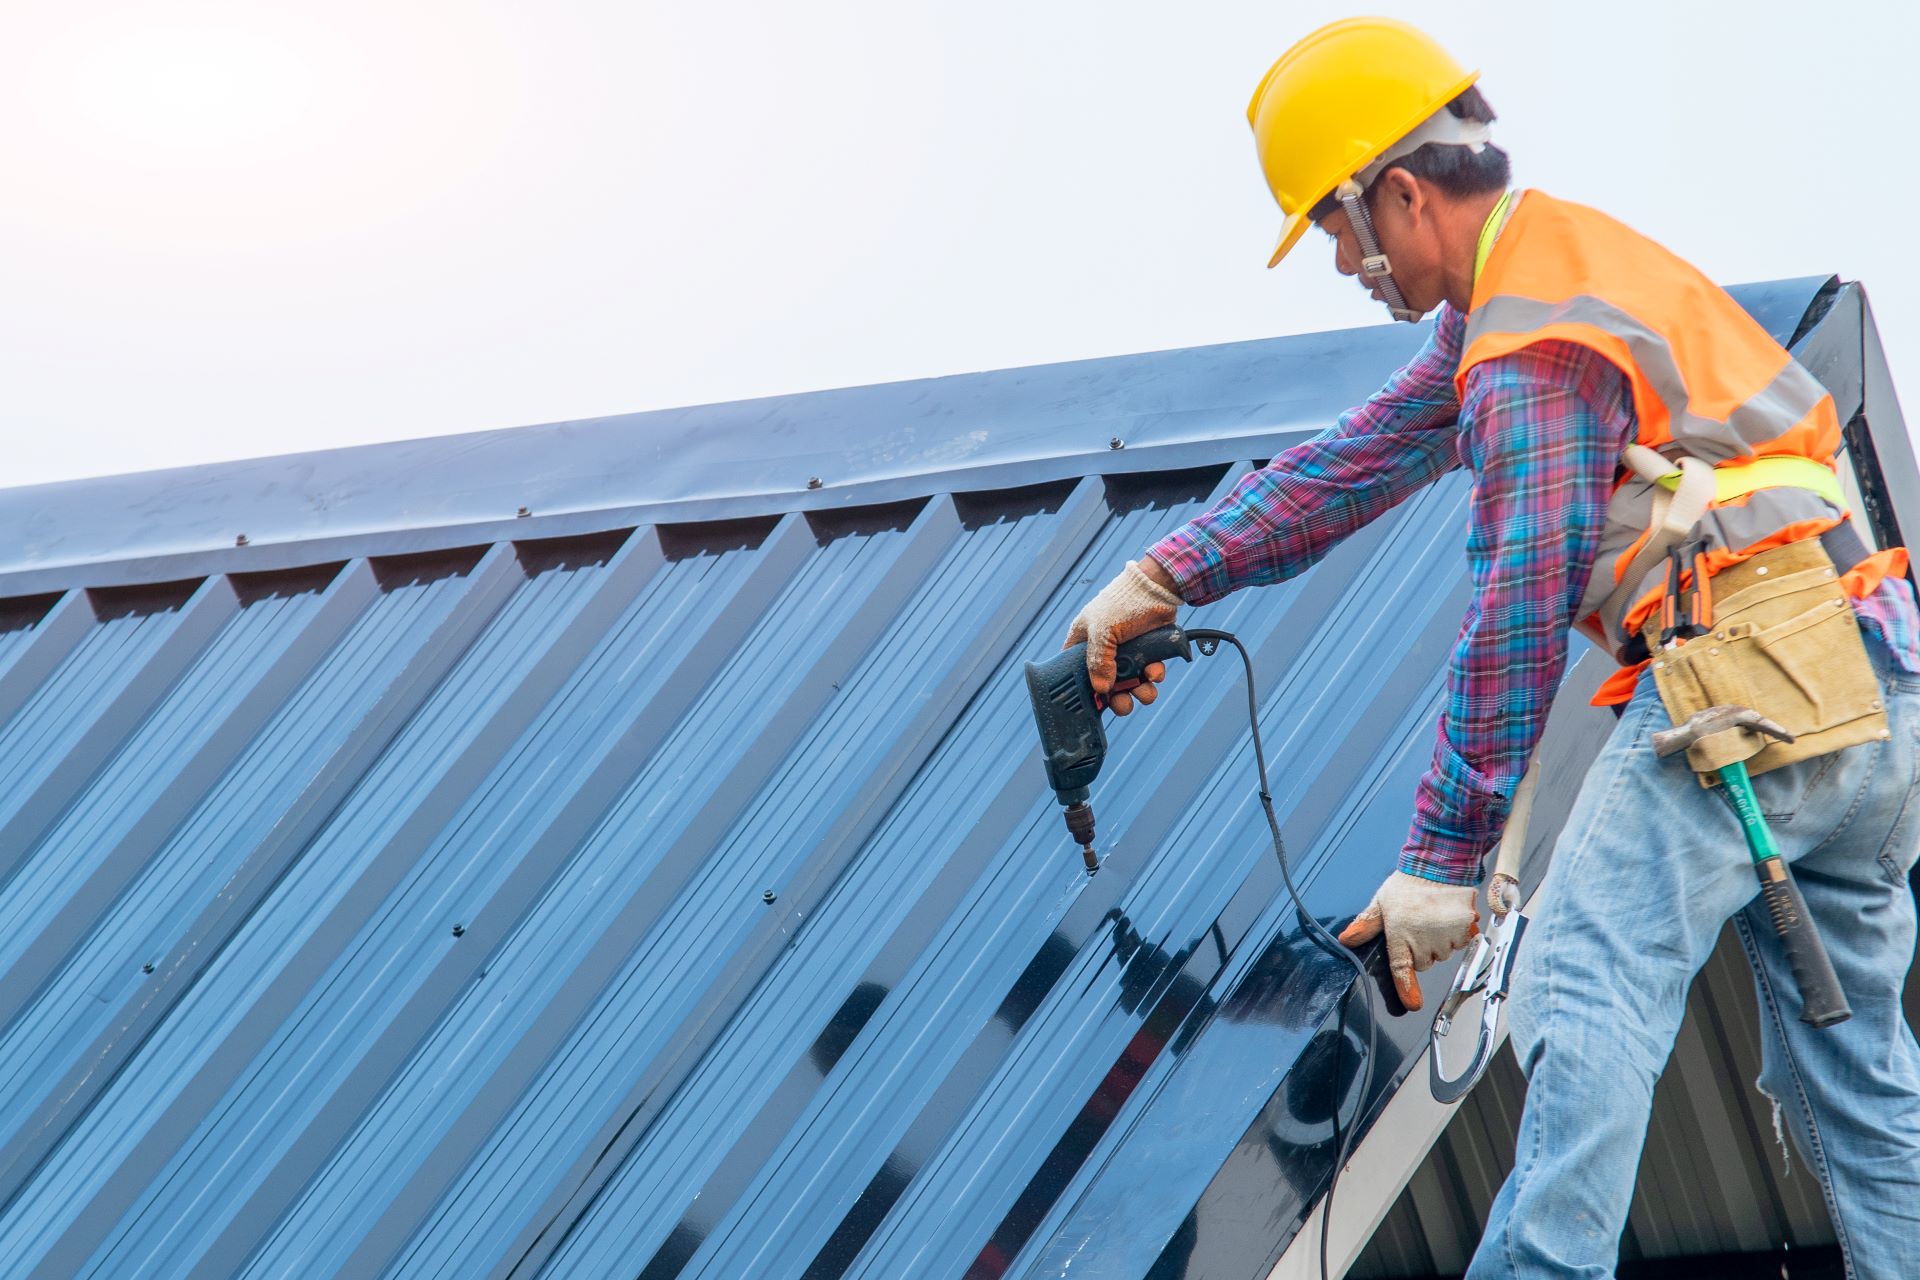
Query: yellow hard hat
x,y
1337,100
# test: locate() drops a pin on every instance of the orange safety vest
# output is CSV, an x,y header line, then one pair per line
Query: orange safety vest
x,y
1707,382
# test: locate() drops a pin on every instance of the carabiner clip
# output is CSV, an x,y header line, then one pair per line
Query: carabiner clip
x,y
1488,969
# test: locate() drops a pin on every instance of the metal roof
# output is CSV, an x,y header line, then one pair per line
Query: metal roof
x,y
664,883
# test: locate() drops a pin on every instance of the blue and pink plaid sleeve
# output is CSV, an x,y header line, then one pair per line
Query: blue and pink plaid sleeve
x,y
1282,518
1542,430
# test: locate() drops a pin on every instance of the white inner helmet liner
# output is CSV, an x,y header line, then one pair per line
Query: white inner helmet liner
x,y
1442,126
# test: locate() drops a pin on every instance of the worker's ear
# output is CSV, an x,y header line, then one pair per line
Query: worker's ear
x,y
1397,195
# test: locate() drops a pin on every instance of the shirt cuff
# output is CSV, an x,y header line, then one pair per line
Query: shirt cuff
x,y
1457,816
1195,563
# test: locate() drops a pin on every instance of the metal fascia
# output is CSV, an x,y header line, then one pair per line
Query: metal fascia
x,y
1890,472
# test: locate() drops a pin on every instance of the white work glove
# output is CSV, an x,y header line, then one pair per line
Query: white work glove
x,y
1131,605
1425,922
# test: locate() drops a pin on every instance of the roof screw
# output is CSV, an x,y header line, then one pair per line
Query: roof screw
x,y
147,967
240,541
1116,443
522,514
768,897
459,931
813,482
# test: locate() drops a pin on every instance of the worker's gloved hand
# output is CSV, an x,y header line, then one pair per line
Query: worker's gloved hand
x,y
1425,922
1131,605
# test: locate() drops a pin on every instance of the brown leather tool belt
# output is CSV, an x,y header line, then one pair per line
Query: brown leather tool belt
x,y
1783,641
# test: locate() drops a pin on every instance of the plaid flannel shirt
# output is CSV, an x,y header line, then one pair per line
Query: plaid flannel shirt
x,y
1542,430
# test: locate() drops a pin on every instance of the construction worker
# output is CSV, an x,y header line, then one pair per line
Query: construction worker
x,y
1561,341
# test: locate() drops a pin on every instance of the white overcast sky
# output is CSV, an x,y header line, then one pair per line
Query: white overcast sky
x,y
233,229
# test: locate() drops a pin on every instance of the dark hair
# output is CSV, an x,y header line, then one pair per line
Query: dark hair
x,y
1456,170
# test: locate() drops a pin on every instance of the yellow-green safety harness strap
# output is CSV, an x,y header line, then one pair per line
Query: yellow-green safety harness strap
x,y
1733,482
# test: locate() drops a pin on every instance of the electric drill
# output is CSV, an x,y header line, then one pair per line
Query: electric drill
x,y
1073,742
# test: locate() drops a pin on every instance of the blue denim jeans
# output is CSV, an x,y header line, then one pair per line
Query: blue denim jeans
x,y
1648,869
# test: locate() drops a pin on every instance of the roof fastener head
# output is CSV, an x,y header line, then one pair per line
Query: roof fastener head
x,y
522,514
768,897
1116,443
240,540
147,967
459,931
813,482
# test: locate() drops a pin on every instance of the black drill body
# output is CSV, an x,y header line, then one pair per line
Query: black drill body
x,y
1073,741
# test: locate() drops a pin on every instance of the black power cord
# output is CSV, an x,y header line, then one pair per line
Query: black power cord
x,y
1209,641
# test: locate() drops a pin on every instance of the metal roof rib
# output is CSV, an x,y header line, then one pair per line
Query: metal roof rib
x,y
958,640
611,720
374,943
108,836
236,849
32,652
1356,705
98,694
1009,570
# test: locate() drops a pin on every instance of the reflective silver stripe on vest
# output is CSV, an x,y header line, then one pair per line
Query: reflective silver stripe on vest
x,y
1766,511
1775,409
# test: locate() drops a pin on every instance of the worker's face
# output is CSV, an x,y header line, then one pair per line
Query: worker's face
x,y
1404,226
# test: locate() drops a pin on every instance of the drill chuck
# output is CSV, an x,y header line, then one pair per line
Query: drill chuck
x,y
1079,817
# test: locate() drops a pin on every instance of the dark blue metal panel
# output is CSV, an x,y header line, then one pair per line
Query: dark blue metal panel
x,y
688,902
81,1111
93,698
1366,683
110,832
276,1067
956,631
32,649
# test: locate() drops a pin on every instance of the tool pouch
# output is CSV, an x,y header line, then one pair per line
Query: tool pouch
x,y
1785,643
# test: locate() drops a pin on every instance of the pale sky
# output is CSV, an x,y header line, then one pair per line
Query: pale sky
x,y
234,229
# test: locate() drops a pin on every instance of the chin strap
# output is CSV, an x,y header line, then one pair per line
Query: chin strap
x,y
1373,263
1443,127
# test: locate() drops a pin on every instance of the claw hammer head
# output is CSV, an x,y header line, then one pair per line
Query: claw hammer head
x,y
1711,721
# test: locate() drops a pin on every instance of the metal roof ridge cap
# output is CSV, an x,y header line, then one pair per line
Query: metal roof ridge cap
x,y
260,556
57,532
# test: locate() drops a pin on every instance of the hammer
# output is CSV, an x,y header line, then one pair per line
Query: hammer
x,y
1822,1001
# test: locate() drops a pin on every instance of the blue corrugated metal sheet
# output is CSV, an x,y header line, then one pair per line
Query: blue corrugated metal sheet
x,y
686,900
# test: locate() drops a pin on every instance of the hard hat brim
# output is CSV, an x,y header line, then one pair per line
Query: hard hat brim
x,y
1296,226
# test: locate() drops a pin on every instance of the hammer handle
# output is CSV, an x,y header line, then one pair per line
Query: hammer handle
x,y
1822,1002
